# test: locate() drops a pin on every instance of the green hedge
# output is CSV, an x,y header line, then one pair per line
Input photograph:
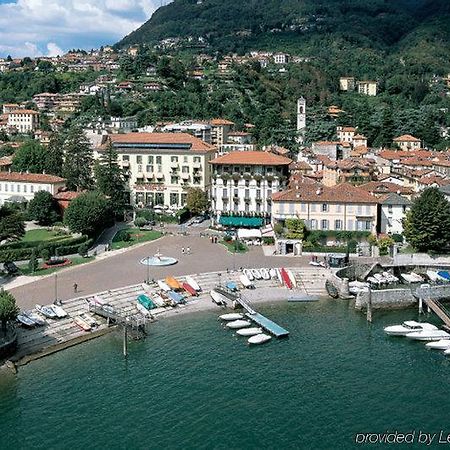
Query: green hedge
x,y
65,247
31,244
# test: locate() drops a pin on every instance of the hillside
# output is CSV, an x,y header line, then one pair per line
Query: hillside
x,y
297,24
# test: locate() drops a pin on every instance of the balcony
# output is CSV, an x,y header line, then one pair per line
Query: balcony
x,y
125,163
185,176
197,166
159,175
174,165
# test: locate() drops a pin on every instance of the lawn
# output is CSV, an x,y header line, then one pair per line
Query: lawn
x,y
42,234
234,247
132,236
76,261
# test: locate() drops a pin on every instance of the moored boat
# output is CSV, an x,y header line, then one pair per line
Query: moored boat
x,y
217,298
259,339
46,311
173,283
273,273
443,344
60,312
231,285
248,273
444,274
158,300
409,326
286,278
428,335
89,319
145,301
256,273
265,274
143,310
246,282
163,286
249,331
292,277
189,289
26,321
81,323
231,316
36,318
176,297
235,324
193,283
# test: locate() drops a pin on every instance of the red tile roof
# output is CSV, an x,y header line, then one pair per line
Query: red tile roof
x,y
67,195
219,122
24,111
252,158
30,177
406,138
381,187
161,138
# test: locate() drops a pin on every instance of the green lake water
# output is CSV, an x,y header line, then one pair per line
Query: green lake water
x,y
194,385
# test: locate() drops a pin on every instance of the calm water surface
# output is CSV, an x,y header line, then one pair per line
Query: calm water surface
x,y
192,385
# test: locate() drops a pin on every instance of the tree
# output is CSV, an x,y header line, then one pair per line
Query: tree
x,y
77,168
296,229
427,223
30,157
89,214
197,201
33,262
8,308
109,178
43,208
12,226
55,155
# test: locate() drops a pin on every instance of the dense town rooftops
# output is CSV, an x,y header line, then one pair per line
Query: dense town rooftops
x,y
252,158
180,141
30,177
317,193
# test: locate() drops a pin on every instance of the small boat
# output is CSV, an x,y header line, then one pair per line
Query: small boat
x,y
231,316
317,263
89,319
259,339
143,310
265,274
158,300
409,326
46,311
232,286
303,298
257,274
217,298
428,335
189,289
444,274
176,297
373,281
36,318
447,352
443,344
145,301
246,281
26,321
411,278
193,283
98,300
235,324
60,313
331,289
391,278
163,286
280,278
77,320
249,331
273,273
380,278
173,283
357,286
248,273
292,277
109,308
286,278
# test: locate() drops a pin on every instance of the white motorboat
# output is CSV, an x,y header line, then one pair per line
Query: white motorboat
x,y
248,274
46,311
245,281
164,286
238,324
357,286
373,280
217,298
409,326
259,339
292,277
265,274
443,344
380,278
60,312
36,318
142,309
257,274
25,320
411,278
231,316
89,319
273,273
428,335
391,278
158,300
317,263
249,331
193,283
447,352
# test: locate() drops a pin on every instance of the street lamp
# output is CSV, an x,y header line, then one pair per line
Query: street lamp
x,y
56,288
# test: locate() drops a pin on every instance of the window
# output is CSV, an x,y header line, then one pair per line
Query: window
x,y
197,159
139,168
324,207
313,224
158,159
389,209
173,179
225,182
324,224
225,193
247,169
18,188
185,159
31,188
258,194
338,208
150,159
138,159
247,183
338,224
236,183
183,199
236,193
269,184
247,194
25,188
185,169
6,187
173,198
125,157
404,208
149,169
303,207
313,207
174,159
258,184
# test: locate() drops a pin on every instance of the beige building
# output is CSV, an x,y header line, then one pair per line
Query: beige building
x,y
345,134
160,167
367,88
407,142
347,84
23,120
219,131
341,208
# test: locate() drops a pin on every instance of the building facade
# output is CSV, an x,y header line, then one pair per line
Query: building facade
x,y
367,88
161,167
243,182
407,142
23,120
391,212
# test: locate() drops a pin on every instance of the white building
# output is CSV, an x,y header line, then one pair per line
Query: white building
x,y
160,167
23,120
391,212
367,88
280,58
199,130
347,84
243,182
407,142
125,124
18,187
345,134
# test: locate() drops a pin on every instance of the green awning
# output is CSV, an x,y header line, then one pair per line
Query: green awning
x,y
232,221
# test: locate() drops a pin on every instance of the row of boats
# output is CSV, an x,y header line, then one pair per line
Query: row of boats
x,y
284,276
422,331
238,322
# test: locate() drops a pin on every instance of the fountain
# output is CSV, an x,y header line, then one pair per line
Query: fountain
x,y
158,260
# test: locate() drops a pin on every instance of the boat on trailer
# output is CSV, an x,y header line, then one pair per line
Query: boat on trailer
x,y
189,289
60,312
286,278
273,273
163,286
145,301
158,300
193,283
143,310
257,274
176,297
173,283
292,277
265,274
80,322
36,318
248,273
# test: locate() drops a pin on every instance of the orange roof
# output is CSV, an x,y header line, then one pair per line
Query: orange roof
x,y
23,111
359,136
221,122
406,138
381,187
342,193
416,162
5,160
67,195
394,154
30,177
196,144
348,129
253,158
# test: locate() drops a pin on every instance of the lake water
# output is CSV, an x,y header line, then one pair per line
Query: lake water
x,y
192,385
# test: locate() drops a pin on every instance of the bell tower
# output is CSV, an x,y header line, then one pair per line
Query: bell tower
x,y
301,119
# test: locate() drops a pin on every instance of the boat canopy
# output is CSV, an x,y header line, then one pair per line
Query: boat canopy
x,y
234,221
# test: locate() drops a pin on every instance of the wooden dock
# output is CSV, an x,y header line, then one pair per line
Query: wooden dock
x,y
439,310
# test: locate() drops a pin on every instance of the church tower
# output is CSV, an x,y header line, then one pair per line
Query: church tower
x,y
301,119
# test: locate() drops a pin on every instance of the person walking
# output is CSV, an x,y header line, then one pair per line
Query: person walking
x,y
182,250
188,250
75,288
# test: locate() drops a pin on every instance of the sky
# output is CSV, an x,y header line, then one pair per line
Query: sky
x,y
51,27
